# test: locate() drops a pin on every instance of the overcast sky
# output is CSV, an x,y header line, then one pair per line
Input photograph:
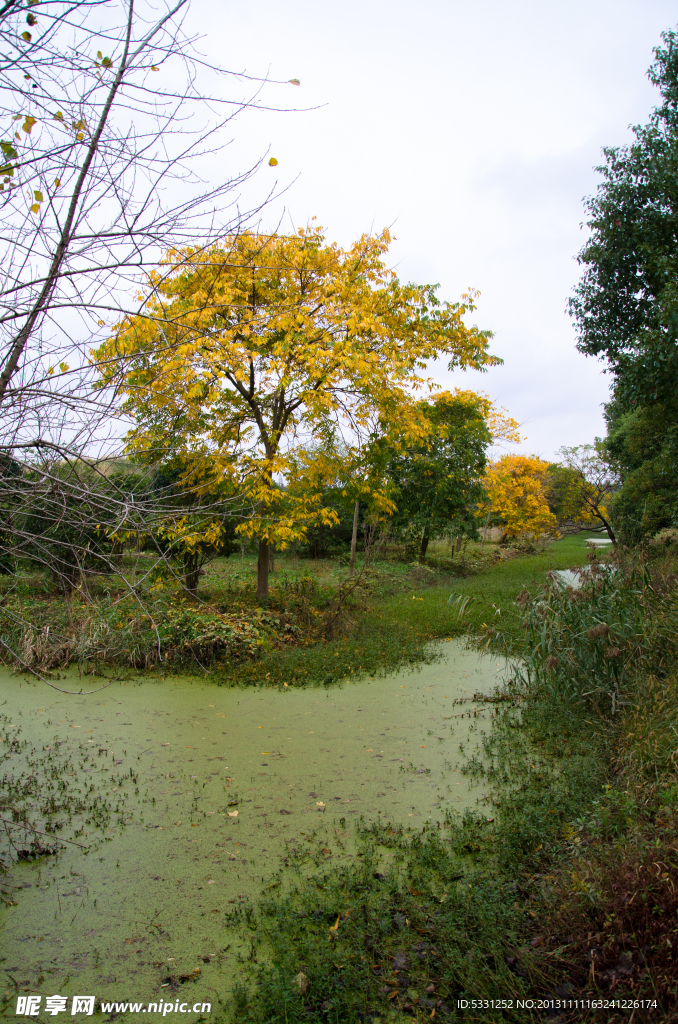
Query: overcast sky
x,y
470,129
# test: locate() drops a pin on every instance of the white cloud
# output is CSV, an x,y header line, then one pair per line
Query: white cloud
x,y
473,130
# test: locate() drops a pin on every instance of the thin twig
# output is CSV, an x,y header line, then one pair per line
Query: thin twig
x,y
58,839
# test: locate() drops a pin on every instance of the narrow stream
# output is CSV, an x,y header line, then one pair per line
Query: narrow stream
x,y
208,789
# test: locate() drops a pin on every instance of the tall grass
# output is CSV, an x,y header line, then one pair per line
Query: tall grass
x,y
548,892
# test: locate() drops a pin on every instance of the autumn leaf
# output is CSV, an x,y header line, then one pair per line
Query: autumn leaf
x,y
232,814
26,36
294,81
516,487
28,124
273,162
344,341
37,195
35,208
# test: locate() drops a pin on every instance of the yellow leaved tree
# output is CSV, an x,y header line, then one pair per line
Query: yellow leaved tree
x,y
246,359
517,496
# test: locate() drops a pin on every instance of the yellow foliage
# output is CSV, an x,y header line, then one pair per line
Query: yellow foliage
x,y
516,485
280,358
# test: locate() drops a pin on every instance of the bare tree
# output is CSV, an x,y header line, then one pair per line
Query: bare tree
x,y
593,482
107,119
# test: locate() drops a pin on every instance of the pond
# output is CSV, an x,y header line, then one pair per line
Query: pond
x,y
206,789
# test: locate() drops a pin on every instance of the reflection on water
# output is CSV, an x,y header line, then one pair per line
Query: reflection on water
x,y
222,781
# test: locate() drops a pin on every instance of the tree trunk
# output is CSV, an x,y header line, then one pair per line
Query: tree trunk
x,y
487,523
191,572
354,540
242,552
459,542
262,571
424,545
271,557
608,528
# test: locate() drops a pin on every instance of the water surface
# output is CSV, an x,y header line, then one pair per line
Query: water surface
x,y
147,907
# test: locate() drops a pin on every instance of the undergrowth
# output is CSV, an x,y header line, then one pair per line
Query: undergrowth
x,y
318,627
564,885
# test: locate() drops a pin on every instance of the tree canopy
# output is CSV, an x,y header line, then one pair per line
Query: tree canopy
x,y
517,495
439,480
626,307
249,356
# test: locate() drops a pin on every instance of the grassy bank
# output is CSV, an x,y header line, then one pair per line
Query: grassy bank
x,y
396,612
562,888
317,627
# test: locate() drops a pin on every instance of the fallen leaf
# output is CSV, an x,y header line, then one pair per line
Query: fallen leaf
x,y
232,814
301,981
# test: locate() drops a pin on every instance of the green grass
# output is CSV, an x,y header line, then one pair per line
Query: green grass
x,y
315,630
399,612
573,858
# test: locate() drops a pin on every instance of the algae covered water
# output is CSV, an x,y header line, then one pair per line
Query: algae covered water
x,y
206,791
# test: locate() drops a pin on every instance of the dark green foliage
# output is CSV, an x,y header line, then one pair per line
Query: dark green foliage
x,y
643,443
62,525
619,304
321,540
186,550
438,483
626,307
10,477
